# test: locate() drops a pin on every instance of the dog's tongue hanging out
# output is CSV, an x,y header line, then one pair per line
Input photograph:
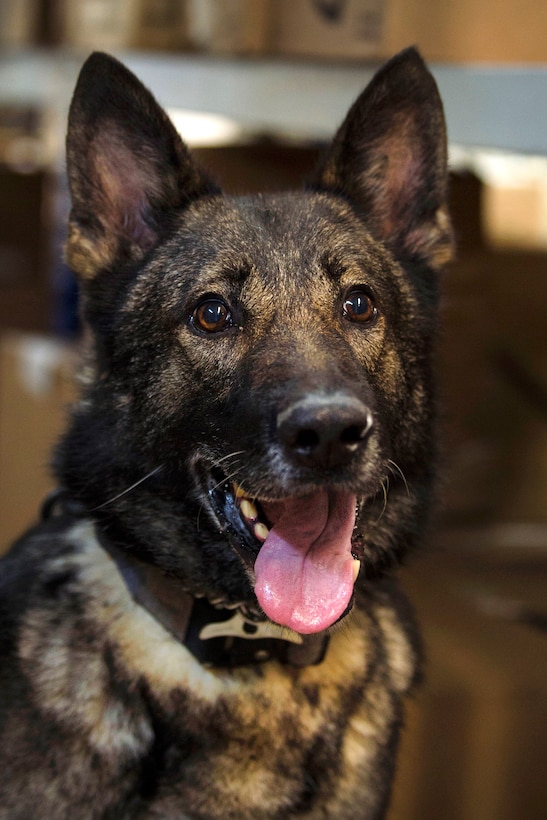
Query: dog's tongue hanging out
x,y
304,570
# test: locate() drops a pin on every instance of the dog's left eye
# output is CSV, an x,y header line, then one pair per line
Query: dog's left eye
x,y
359,307
212,315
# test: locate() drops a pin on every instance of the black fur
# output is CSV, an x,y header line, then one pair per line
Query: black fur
x,y
283,342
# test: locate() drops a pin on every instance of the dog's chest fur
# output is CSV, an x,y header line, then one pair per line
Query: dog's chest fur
x,y
272,739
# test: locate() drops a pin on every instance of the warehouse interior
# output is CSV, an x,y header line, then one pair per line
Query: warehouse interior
x,y
256,88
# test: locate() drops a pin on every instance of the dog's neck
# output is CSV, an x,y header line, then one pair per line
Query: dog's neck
x,y
217,635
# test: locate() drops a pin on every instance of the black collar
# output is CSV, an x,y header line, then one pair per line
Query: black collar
x,y
217,636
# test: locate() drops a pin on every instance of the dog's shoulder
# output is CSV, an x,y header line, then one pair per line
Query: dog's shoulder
x,y
64,598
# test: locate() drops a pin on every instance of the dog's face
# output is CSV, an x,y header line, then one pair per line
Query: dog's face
x,y
260,377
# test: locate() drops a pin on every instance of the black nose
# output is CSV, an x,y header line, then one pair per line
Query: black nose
x,y
324,430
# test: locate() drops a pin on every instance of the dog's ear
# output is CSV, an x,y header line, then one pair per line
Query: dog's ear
x,y
389,158
127,169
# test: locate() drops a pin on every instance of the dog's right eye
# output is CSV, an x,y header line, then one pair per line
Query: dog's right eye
x,y
359,307
212,315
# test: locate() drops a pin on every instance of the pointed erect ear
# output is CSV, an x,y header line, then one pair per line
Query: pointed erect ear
x,y
389,160
127,169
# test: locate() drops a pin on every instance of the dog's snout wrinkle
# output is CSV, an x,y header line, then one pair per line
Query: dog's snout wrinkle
x,y
324,430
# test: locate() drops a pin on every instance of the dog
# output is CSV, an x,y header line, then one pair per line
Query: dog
x,y
206,622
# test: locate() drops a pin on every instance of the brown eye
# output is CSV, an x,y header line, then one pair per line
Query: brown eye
x,y
211,316
359,307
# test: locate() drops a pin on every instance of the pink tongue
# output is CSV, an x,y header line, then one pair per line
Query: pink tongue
x,y
304,570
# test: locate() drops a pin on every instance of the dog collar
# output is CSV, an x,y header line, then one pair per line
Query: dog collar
x,y
217,636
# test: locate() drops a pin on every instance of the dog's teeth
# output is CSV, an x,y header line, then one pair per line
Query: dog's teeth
x,y
261,531
248,509
356,568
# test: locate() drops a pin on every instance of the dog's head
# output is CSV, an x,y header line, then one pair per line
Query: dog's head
x,y
258,410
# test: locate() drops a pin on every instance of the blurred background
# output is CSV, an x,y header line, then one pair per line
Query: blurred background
x,y
257,87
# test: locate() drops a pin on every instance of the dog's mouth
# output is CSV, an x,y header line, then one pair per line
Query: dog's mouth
x,y
299,551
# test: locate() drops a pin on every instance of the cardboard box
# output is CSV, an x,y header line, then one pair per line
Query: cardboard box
x,y
18,22
491,30
515,215
159,24
474,742
35,388
354,29
492,373
119,24
229,26
463,31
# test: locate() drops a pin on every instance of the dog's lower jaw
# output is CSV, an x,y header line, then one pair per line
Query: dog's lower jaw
x,y
300,553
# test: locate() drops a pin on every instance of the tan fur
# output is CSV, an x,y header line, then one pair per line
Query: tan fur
x,y
269,717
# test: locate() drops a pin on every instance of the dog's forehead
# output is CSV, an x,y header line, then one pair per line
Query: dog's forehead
x,y
277,242
279,233
301,220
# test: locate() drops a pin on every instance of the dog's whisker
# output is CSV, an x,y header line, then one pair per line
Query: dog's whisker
x,y
234,467
396,470
224,480
385,491
128,489
200,510
219,461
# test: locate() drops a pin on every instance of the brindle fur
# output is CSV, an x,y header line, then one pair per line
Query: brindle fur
x,y
103,713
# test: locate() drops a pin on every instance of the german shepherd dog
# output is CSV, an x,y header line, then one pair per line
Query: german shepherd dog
x,y
205,623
